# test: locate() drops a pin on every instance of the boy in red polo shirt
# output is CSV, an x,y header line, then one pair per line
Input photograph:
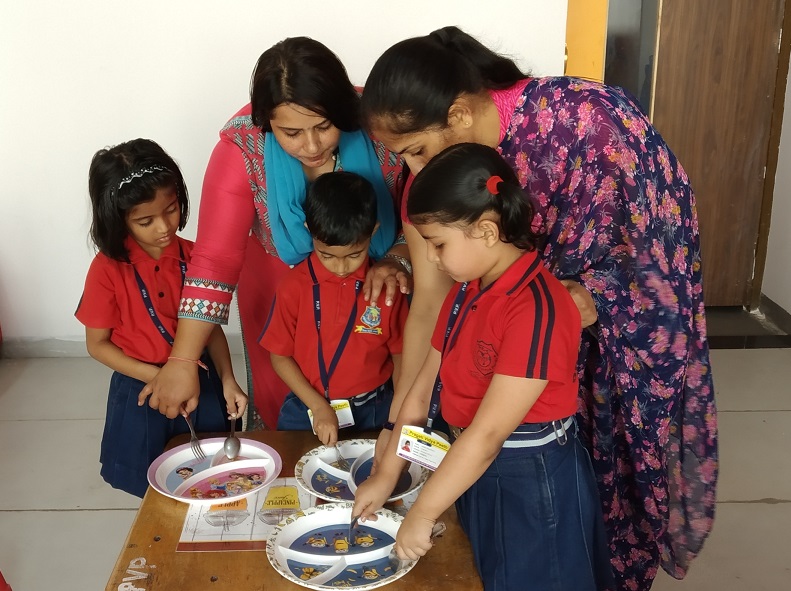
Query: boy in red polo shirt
x,y
338,353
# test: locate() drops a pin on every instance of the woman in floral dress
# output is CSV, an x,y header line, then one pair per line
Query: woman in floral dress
x,y
618,215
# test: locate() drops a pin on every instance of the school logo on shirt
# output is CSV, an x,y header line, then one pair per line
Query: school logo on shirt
x,y
371,318
485,358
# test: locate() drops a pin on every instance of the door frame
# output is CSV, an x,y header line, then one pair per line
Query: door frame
x,y
773,151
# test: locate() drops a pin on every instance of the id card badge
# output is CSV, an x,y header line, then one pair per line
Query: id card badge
x,y
425,449
343,409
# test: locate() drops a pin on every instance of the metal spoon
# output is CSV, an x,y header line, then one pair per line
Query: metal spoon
x,y
232,443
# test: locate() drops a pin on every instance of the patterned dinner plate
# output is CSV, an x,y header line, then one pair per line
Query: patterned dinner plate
x,y
318,472
179,475
313,548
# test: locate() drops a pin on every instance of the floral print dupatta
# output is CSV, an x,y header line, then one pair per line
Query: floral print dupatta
x,y
618,214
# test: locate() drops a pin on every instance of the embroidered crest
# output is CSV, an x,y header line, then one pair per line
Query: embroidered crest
x,y
485,358
371,318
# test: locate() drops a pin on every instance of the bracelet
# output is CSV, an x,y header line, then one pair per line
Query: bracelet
x,y
388,425
197,362
399,259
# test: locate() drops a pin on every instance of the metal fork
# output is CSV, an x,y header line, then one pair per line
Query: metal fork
x,y
343,463
194,441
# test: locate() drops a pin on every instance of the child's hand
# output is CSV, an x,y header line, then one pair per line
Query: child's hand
x,y
325,423
235,399
414,536
380,447
371,496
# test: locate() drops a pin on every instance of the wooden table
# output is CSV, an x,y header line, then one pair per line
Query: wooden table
x,y
149,561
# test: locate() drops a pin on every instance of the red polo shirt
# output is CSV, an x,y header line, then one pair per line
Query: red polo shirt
x,y
525,324
366,362
112,299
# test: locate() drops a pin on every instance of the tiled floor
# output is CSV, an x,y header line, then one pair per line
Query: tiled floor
x,y
61,527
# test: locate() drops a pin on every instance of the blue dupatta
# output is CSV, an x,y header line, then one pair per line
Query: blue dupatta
x,y
287,186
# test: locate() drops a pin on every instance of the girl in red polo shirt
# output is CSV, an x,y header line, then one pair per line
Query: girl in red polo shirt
x,y
503,367
130,306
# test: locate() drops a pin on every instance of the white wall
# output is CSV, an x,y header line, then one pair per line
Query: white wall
x,y
777,273
79,76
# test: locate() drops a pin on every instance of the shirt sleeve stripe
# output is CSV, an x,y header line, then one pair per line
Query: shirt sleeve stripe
x,y
268,318
542,330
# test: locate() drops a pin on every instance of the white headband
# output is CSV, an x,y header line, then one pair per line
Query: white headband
x,y
137,174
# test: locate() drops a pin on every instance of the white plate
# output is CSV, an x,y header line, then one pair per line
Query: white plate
x,y
318,473
312,549
179,475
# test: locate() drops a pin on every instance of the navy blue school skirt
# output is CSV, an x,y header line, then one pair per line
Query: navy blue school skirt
x,y
134,436
534,519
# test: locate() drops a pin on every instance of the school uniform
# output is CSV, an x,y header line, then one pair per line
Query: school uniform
x,y
356,340
139,301
533,518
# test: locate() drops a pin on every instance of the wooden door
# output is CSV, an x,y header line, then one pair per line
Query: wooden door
x,y
716,71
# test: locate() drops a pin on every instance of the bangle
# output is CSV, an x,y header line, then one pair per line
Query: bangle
x,y
399,259
197,362
388,425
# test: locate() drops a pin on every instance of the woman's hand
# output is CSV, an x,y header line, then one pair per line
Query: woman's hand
x,y
391,274
584,301
414,536
175,386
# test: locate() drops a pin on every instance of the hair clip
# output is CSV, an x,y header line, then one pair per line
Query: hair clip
x,y
491,184
138,173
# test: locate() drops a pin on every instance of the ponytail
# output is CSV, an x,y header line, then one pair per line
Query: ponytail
x,y
413,84
459,185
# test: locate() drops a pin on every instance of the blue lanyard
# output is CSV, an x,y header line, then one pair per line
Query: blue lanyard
x,y
448,343
149,304
325,373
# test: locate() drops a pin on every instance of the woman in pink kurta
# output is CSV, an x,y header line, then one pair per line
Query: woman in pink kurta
x,y
302,121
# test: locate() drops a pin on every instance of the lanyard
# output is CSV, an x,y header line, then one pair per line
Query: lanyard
x,y
324,372
149,304
447,345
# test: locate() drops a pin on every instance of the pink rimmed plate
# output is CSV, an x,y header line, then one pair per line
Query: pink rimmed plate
x,y
179,475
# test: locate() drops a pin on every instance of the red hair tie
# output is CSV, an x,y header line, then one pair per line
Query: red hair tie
x,y
491,184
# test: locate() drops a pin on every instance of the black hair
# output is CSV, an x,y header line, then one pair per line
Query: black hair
x,y
304,72
414,83
123,177
452,190
340,209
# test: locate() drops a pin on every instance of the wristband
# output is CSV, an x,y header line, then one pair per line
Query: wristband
x,y
388,425
399,259
197,362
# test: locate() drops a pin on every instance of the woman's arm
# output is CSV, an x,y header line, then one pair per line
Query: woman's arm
x,y
226,215
104,351
431,287
504,406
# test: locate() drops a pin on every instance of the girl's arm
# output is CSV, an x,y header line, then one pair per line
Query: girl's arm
x,y
372,494
104,351
236,400
504,406
325,421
